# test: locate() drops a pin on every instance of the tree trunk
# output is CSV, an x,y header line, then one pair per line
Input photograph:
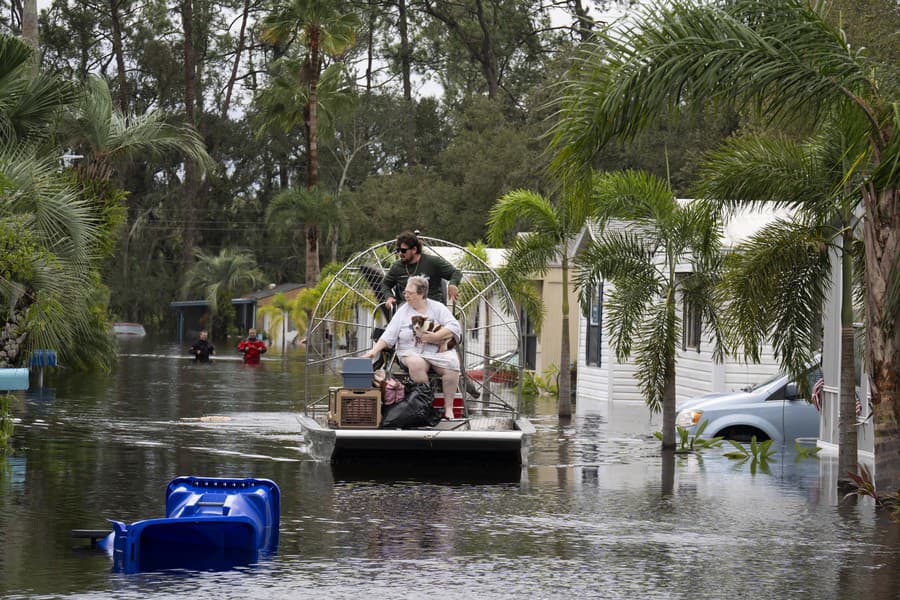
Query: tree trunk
x,y
882,240
30,32
847,428
668,403
370,45
565,366
405,62
406,71
312,254
847,434
119,53
188,225
312,158
488,57
229,89
583,21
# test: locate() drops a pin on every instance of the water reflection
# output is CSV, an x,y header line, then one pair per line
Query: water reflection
x,y
599,511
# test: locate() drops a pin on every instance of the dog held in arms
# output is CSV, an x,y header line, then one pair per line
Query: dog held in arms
x,y
422,324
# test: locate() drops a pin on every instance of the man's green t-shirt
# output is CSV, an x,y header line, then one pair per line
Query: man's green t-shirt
x,y
434,268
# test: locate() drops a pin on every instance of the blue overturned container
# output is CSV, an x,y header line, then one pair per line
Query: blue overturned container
x,y
210,524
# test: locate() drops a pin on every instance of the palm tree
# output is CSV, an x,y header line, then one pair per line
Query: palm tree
x,y
106,137
48,280
777,281
28,103
294,208
786,60
323,30
280,311
552,227
218,278
108,140
645,234
49,238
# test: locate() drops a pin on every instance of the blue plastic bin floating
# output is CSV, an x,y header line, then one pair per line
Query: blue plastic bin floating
x,y
210,524
13,379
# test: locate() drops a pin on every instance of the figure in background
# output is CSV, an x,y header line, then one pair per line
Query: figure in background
x,y
419,351
413,263
202,349
252,348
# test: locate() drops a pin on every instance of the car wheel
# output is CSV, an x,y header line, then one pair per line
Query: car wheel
x,y
742,434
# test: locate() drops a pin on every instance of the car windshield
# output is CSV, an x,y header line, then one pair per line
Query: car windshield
x,y
813,372
756,386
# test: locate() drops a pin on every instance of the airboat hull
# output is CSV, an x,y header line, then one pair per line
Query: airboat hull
x,y
450,441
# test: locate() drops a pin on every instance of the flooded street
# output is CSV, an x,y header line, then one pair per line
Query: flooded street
x,y
597,513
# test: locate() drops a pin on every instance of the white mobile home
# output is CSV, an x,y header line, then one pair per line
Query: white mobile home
x,y
602,377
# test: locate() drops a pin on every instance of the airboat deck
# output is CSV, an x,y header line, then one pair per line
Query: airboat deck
x,y
489,439
350,315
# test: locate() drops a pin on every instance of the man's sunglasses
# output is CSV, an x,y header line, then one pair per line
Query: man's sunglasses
x,y
402,250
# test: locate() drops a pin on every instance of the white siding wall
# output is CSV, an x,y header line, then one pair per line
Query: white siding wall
x,y
592,381
696,372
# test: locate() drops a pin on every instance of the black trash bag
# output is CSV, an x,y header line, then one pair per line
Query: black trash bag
x,y
415,411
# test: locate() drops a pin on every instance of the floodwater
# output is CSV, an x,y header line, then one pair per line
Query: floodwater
x,y
598,512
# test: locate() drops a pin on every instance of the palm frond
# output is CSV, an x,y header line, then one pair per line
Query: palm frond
x,y
777,282
219,277
621,258
635,196
783,57
656,349
522,207
531,254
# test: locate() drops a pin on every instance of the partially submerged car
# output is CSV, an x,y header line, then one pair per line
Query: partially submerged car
x,y
773,409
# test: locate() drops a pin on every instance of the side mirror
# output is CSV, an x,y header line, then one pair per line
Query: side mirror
x,y
791,392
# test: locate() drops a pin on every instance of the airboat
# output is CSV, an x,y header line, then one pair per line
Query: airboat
x,y
342,413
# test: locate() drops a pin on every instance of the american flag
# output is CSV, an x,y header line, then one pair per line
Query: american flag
x,y
817,396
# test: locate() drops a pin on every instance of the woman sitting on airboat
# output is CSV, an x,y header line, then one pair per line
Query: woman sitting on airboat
x,y
420,350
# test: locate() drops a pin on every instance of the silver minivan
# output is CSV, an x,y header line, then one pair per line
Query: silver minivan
x,y
770,410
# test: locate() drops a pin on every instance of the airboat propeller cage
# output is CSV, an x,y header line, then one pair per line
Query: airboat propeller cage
x,y
351,315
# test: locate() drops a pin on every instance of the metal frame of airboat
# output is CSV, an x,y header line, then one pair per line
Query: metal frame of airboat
x,y
343,325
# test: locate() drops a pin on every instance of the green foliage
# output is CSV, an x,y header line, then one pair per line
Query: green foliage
x,y
688,443
759,454
645,234
541,385
549,227
865,488
219,278
110,139
109,203
49,278
17,250
293,208
805,452
482,157
6,421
